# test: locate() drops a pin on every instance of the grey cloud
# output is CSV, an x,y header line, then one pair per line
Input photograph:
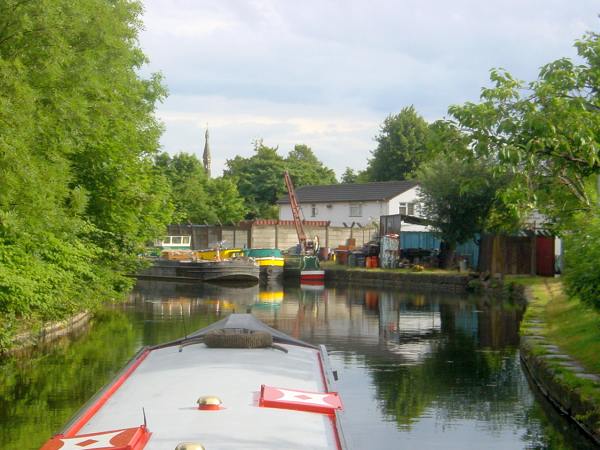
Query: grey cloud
x,y
348,59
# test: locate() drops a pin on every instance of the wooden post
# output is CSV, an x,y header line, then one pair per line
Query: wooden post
x,y
496,257
533,243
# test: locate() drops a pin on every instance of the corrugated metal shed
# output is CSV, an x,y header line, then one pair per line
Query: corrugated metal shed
x,y
429,241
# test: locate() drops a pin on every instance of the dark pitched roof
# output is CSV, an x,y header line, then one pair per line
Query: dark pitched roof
x,y
383,190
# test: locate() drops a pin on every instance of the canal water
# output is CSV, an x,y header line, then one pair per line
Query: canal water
x,y
417,371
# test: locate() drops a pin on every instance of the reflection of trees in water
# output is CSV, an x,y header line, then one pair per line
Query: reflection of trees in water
x,y
464,366
472,376
461,380
167,311
40,393
461,377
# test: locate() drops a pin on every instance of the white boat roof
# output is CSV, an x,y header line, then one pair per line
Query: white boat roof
x,y
167,384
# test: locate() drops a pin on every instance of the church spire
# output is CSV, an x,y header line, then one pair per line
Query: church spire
x,y
206,156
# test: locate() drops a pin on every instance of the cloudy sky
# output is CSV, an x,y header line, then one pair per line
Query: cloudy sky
x,y
326,73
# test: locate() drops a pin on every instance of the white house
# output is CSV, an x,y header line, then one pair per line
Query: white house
x,y
361,204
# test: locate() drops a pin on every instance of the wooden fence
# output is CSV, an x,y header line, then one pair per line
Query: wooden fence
x,y
510,255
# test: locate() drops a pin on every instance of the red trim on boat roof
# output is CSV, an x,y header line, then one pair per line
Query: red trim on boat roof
x,y
126,439
297,400
333,417
93,409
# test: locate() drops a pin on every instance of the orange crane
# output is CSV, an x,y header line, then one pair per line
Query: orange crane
x,y
304,243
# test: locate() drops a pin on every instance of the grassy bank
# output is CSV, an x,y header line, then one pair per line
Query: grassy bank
x,y
567,323
570,324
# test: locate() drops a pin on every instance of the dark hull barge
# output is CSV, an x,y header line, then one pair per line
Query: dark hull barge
x,y
238,269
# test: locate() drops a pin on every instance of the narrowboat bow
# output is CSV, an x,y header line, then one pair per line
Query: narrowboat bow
x,y
236,384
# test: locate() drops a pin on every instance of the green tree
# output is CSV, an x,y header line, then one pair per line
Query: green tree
x,y
305,169
459,197
188,182
197,198
259,178
582,253
401,146
79,194
97,123
225,201
546,131
349,176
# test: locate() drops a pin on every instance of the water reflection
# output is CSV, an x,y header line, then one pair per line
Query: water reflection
x,y
417,371
39,392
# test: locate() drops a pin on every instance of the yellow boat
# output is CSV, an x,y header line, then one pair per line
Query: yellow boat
x,y
216,255
270,261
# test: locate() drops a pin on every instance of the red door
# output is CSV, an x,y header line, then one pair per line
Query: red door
x,y
544,251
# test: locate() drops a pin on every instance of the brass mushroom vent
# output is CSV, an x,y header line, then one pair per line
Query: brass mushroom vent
x,y
189,446
209,403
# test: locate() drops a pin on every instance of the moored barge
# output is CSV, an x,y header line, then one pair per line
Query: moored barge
x,y
189,271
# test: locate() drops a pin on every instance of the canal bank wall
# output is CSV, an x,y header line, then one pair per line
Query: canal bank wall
x,y
49,332
558,376
430,282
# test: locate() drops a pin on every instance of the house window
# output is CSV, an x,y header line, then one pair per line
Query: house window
x,y
407,209
313,210
355,210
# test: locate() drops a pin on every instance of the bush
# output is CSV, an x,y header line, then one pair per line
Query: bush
x,y
582,261
45,278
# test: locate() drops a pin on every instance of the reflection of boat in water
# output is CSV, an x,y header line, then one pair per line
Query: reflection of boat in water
x,y
164,297
236,269
270,296
310,285
248,397
269,299
270,261
156,289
